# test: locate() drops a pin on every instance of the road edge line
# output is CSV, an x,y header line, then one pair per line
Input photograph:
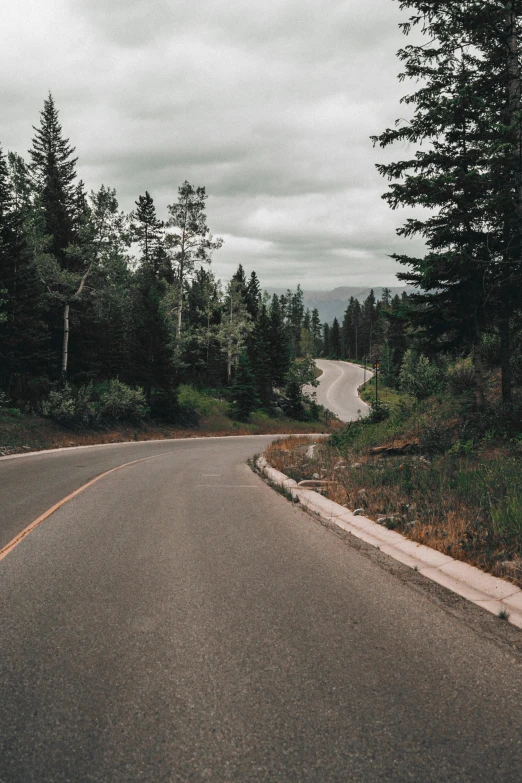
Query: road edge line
x,y
480,588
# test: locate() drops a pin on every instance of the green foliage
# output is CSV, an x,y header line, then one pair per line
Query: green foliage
x,y
243,391
72,408
434,437
119,402
460,377
418,376
379,411
88,407
300,374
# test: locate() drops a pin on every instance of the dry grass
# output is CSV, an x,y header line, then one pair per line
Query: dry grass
x,y
446,503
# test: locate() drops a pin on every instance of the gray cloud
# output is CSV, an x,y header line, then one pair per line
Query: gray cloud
x,y
270,106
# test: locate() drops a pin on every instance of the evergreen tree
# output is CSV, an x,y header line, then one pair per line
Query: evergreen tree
x,y
24,338
326,340
191,242
239,277
315,327
278,342
243,391
147,231
151,361
350,330
468,108
335,340
253,296
259,354
54,171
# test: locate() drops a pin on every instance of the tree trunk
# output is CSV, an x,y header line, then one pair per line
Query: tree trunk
x,y
180,303
505,359
513,254
65,348
477,363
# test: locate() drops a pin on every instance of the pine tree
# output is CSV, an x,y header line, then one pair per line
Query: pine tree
x,y
469,174
253,296
315,326
335,339
278,341
151,363
147,231
350,330
239,277
243,391
24,338
191,242
259,354
54,172
326,340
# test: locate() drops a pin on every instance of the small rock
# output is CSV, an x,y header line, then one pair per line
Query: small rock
x,y
26,448
361,492
316,475
355,465
310,452
358,511
412,524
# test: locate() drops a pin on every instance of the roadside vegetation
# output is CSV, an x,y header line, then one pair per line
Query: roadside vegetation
x,y
432,468
203,413
440,455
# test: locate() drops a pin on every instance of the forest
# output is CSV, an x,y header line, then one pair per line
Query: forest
x,y
103,315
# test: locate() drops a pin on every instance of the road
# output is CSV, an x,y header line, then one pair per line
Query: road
x,y
181,621
338,386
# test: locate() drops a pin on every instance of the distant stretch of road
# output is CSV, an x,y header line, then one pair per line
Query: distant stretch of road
x,y
338,386
178,620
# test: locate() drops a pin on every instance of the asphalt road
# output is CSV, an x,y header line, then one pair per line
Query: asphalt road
x,y
181,621
338,386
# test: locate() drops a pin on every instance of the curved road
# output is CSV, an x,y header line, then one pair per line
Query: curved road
x,y
180,621
338,386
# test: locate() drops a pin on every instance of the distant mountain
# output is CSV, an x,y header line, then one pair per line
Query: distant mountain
x,y
332,304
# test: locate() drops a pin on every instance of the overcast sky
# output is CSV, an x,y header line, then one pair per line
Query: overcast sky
x,y
268,105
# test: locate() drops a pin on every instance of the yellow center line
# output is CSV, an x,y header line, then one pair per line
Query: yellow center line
x,y
18,538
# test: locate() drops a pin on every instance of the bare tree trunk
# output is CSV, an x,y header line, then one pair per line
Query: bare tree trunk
x,y
505,359
477,363
65,348
180,303
514,233
229,353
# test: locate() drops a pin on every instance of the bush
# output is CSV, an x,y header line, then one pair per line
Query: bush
x,y
435,439
418,376
119,402
71,408
461,377
379,411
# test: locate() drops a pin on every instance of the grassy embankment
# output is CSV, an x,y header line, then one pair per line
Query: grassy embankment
x,y
441,475
20,432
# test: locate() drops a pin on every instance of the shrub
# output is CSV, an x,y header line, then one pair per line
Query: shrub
x,y
119,402
418,376
71,408
461,377
379,411
435,439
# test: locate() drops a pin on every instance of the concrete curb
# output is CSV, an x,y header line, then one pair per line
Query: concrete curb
x,y
494,594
